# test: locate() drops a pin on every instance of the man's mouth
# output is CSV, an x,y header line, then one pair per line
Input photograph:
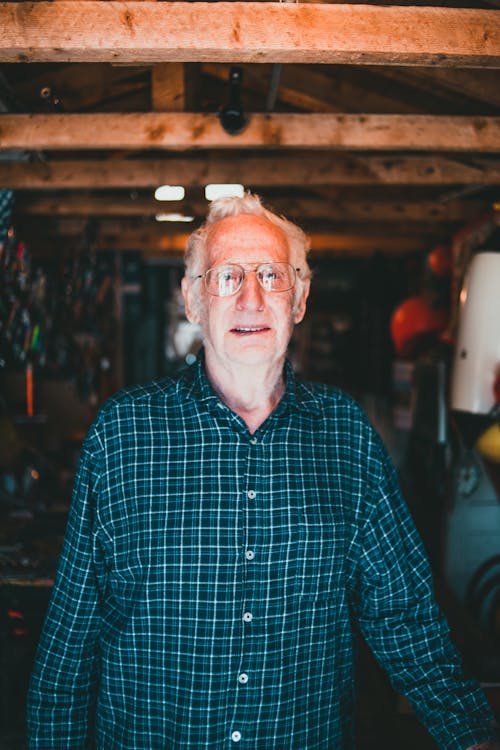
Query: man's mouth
x,y
249,330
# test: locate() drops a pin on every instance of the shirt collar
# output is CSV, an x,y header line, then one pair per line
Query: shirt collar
x,y
194,385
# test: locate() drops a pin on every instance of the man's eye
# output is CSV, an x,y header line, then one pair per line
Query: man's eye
x,y
227,276
269,275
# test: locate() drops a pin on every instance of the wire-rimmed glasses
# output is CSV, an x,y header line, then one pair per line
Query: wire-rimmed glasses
x,y
227,279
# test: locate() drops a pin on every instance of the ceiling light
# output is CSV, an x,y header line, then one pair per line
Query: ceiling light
x,y
214,191
174,217
170,193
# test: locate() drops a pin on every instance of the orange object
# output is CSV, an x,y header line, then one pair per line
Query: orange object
x,y
15,614
488,444
439,260
413,323
29,390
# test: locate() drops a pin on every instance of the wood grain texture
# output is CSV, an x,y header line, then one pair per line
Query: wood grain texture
x,y
186,131
306,169
148,32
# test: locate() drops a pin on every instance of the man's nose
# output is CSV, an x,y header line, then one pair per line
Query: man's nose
x,y
251,294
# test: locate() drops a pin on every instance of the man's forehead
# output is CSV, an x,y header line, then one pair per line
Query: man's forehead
x,y
247,232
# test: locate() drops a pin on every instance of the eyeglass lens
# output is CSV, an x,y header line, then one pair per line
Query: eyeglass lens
x,y
223,281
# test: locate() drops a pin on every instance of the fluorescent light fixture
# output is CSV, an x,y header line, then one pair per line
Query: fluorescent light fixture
x,y
170,193
214,191
174,217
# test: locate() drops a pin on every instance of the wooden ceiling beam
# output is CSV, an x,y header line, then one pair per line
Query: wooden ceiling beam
x,y
298,209
187,131
304,169
148,32
148,239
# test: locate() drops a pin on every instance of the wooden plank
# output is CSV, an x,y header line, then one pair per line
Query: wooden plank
x,y
154,239
186,131
167,87
353,244
305,169
148,32
305,208
377,210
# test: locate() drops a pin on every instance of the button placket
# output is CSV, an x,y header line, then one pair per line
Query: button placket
x,y
251,487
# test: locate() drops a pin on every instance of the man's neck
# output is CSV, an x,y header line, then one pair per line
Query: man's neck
x,y
252,392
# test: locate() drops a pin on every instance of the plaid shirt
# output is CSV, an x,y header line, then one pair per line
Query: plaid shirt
x,y
209,580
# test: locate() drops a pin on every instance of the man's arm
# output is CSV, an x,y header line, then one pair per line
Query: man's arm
x,y
403,625
64,681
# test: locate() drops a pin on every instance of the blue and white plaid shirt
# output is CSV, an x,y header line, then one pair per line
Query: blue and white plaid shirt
x,y
209,580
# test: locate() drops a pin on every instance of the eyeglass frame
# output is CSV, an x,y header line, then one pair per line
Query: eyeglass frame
x,y
253,270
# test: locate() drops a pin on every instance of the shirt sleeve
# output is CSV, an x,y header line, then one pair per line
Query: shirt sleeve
x,y
64,681
401,622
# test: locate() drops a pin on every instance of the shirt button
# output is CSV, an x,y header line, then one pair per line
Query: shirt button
x,y
249,554
253,441
243,678
247,617
251,494
236,736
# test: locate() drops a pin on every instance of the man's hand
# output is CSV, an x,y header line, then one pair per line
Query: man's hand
x,y
490,745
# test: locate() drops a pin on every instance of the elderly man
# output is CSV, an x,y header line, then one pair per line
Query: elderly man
x,y
229,531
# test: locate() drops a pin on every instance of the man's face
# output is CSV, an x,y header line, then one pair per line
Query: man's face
x,y
251,327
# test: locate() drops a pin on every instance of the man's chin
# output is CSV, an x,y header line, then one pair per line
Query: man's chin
x,y
250,353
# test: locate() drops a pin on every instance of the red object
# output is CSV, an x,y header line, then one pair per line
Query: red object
x,y
17,617
439,260
414,323
29,390
15,614
496,388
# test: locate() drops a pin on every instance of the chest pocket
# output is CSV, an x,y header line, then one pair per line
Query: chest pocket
x,y
321,554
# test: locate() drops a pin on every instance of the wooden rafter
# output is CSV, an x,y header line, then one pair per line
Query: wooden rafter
x,y
184,131
155,239
146,32
305,169
303,208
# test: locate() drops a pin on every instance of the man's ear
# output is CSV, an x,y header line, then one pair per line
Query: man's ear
x,y
191,310
300,308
